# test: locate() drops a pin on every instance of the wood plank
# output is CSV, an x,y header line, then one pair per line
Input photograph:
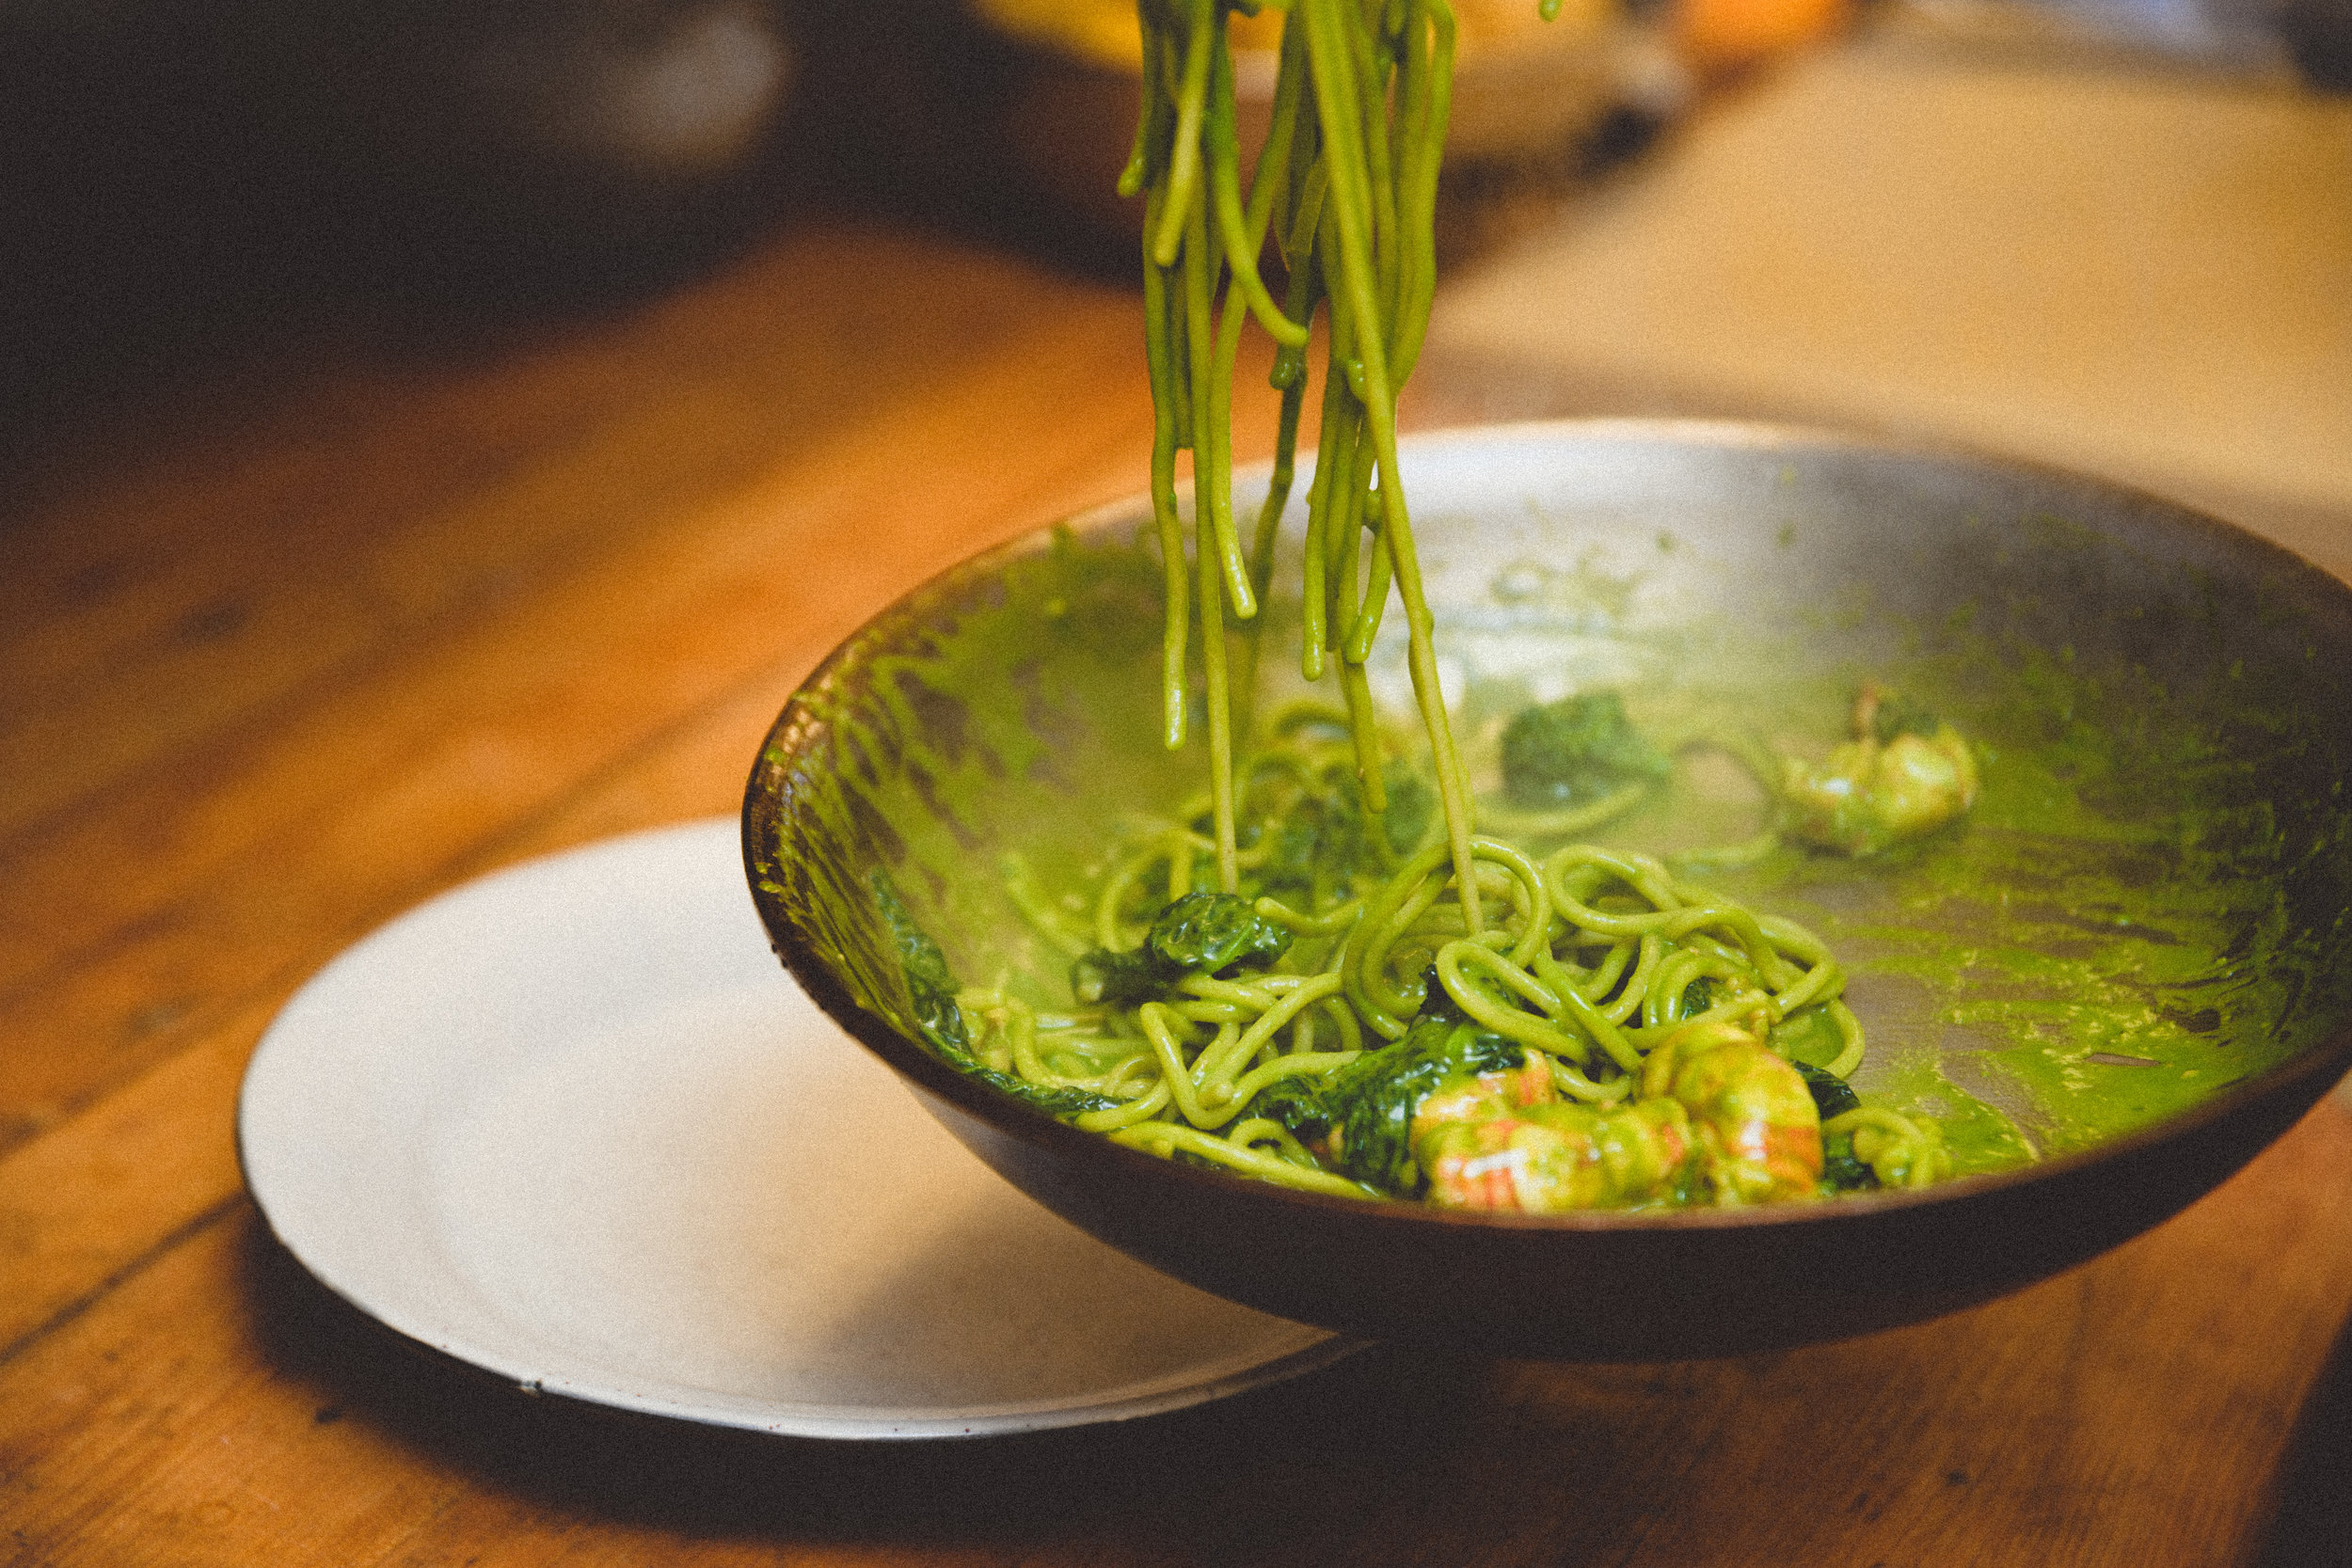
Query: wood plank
x,y
803,333
69,1216
155,610
219,1408
96,1195
287,843
105,1191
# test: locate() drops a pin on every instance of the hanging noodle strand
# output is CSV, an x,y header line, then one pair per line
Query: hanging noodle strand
x,y
1346,183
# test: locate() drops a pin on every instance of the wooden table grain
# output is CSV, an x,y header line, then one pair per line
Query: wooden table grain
x,y
333,640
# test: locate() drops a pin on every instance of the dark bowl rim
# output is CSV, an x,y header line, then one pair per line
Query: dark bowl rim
x,y
2329,1058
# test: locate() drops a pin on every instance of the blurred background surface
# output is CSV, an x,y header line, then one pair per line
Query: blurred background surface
x,y
2139,270
2111,232
433,434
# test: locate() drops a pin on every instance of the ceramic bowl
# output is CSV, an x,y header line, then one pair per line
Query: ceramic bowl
x,y
2137,954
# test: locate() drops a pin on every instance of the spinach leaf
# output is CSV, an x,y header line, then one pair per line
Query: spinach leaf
x,y
1297,1104
1053,1101
1898,714
1322,845
1370,1102
1698,996
1115,979
1201,933
1842,1173
931,988
1832,1095
1411,803
1214,932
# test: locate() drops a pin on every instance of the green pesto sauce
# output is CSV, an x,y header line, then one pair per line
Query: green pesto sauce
x,y
2122,925
2152,900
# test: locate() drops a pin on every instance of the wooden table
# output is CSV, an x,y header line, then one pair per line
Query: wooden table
x,y
331,640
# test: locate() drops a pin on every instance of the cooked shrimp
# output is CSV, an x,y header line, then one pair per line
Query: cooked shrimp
x,y
1720,1113
1905,773
1489,1094
1758,1133
1555,1157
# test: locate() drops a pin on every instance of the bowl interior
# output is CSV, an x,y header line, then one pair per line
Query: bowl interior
x,y
2146,921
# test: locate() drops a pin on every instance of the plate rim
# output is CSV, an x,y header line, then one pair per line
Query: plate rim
x,y
784,1418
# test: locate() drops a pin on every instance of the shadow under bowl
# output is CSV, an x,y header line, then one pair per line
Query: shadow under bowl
x,y
2164,709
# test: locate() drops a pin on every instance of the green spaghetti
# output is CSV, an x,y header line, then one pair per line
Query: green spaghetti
x,y
1319,974
1347,187
1616,1035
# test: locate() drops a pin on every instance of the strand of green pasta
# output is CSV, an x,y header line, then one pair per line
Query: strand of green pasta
x,y
1338,96
1432,108
1171,392
1594,960
1199,265
1167,397
1192,101
1287,169
1212,453
1359,176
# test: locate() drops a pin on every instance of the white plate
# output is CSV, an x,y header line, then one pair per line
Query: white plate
x,y
572,1123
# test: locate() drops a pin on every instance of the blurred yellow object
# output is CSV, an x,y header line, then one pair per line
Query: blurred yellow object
x,y
1485,24
1105,32
1720,38
1525,90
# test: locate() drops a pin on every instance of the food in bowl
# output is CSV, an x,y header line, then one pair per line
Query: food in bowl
x,y
1321,973
1617,1035
1622,1037
2141,905
2120,975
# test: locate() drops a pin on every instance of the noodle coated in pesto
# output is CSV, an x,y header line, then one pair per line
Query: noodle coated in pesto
x,y
1617,1035
1295,979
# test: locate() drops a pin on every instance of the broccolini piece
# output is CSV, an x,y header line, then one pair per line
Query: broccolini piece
x,y
1575,750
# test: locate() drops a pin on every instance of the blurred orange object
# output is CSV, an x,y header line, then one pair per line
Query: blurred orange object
x,y
1526,92
1722,38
